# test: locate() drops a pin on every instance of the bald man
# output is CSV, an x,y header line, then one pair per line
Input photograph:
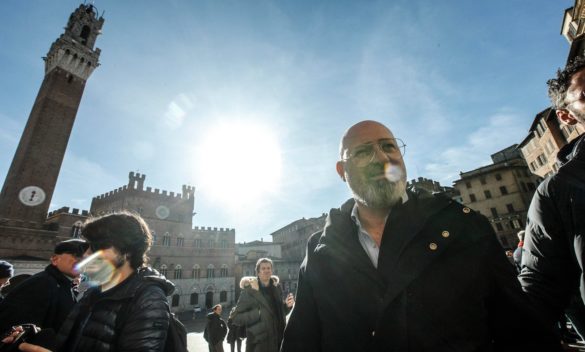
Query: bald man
x,y
404,270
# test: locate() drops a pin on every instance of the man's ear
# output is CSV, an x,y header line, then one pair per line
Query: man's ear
x,y
566,117
54,259
340,170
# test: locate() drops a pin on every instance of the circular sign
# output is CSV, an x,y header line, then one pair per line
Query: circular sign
x,y
162,212
31,196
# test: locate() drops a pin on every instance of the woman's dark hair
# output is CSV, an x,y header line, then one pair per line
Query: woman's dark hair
x,y
125,231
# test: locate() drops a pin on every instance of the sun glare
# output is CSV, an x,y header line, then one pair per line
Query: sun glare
x,y
240,162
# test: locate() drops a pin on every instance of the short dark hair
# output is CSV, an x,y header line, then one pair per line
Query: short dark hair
x,y
557,87
263,260
6,269
125,231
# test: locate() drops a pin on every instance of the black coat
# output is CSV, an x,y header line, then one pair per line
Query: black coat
x,y
234,331
443,283
554,242
143,300
264,326
44,299
216,329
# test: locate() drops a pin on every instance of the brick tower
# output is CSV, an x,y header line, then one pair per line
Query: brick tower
x,y
32,176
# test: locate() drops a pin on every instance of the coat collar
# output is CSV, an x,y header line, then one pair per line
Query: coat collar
x,y
252,285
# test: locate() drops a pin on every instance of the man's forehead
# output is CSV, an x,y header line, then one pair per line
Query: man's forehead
x,y
368,132
578,78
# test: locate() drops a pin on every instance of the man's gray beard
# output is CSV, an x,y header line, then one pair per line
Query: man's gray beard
x,y
381,194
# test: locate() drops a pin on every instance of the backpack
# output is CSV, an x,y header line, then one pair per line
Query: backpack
x,y
176,332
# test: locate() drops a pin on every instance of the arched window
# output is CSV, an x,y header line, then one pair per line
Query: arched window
x,y
163,270
166,240
176,299
154,238
223,272
223,244
194,298
210,243
178,272
223,296
85,31
180,240
197,242
210,271
196,273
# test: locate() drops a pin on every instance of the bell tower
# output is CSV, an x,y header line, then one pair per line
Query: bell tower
x,y
29,185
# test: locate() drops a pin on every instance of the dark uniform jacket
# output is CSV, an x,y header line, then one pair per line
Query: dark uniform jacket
x,y
443,283
44,299
215,330
264,326
554,243
133,316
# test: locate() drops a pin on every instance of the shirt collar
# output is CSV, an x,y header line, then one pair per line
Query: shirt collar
x,y
355,215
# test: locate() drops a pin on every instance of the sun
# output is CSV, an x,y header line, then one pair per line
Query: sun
x,y
240,162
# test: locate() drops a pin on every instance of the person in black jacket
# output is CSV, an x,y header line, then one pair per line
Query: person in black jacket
x,y
398,270
554,244
215,330
128,310
6,273
46,298
235,333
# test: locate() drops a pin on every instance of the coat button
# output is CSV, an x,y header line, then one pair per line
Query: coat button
x,y
433,246
466,210
445,234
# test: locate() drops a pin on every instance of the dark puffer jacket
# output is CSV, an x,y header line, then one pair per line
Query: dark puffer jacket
x,y
554,243
44,299
142,298
264,326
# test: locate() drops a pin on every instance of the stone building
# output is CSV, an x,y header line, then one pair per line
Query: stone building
x,y
501,191
198,260
32,176
573,28
434,187
545,138
272,249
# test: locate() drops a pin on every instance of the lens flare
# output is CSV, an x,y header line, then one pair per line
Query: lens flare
x,y
393,173
96,269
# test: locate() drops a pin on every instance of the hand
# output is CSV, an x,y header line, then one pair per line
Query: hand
x,y
15,331
28,347
290,300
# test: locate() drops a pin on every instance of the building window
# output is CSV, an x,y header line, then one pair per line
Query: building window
x,y
468,184
510,208
178,272
523,186
210,244
498,177
210,271
194,298
196,272
176,299
154,238
180,242
494,212
488,194
197,243
482,180
166,240
516,224
223,296
163,270
499,227
472,197
223,272
223,244
503,190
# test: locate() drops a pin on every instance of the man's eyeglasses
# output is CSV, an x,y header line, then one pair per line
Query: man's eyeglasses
x,y
364,154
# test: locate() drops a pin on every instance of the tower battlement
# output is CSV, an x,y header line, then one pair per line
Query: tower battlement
x,y
203,230
67,210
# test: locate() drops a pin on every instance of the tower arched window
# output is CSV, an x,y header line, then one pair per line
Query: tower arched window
x,y
196,273
85,32
223,271
210,271
178,272
154,238
180,240
223,296
163,270
197,242
176,299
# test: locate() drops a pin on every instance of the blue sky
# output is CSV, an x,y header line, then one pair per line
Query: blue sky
x,y
247,100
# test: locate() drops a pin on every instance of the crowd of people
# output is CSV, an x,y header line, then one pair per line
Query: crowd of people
x,y
394,269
